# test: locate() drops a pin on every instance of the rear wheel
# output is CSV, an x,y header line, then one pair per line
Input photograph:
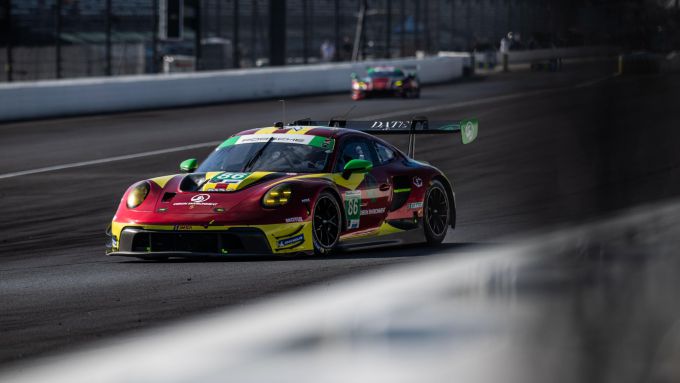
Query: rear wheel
x,y
436,213
326,223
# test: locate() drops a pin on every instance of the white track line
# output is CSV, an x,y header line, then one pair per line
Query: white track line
x,y
110,159
401,112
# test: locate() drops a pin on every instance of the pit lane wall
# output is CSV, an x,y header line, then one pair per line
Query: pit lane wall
x,y
56,98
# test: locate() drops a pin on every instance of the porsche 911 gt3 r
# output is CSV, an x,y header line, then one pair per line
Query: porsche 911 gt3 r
x,y
385,81
311,187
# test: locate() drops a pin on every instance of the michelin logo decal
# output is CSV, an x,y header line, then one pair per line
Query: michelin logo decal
x,y
290,242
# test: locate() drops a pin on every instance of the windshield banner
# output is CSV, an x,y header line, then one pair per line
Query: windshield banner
x,y
302,139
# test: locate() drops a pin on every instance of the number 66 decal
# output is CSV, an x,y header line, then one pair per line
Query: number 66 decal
x,y
353,208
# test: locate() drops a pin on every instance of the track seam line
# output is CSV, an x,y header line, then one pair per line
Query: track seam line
x,y
370,117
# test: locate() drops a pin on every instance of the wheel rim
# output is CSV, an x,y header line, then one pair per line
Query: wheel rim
x,y
326,222
437,211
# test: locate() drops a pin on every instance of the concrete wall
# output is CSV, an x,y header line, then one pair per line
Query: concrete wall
x,y
521,57
41,99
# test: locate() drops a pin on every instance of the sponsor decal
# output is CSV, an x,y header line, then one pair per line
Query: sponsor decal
x,y
468,130
373,211
415,205
417,181
388,125
305,200
293,219
182,227
353,208
197,200
327,143
292,241
302,139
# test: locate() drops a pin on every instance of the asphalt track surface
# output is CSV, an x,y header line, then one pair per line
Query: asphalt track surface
x,y
554,149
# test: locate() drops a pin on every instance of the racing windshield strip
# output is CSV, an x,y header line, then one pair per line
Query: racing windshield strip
x,y
302,139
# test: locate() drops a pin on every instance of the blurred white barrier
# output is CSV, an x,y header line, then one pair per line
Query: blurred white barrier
x,y
524,312
492,58
101,95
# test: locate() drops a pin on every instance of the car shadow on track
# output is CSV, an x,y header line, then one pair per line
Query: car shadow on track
x,y
401,251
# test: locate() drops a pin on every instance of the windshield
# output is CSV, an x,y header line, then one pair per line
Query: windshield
x,y
274,157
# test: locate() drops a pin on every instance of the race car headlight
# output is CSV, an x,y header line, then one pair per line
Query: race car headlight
x,y
138,194
359,85
398,83
277,196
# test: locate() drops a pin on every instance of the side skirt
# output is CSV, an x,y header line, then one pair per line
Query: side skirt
x,y
414,235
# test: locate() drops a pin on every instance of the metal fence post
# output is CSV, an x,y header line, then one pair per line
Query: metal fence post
x,y
234,45
305,42
509,28
197,33
468,26
426,26
253,32
58,39
338,42
154,38
8,32
402,27
109,69
388,30
452,35
416,27
277,32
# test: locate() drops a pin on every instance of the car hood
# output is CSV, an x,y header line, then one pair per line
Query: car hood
x,y
207,193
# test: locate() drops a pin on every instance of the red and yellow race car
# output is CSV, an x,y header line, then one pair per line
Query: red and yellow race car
x,y
383,81
311,187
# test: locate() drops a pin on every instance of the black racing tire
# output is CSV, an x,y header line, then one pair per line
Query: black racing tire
x,y
436,213
326,224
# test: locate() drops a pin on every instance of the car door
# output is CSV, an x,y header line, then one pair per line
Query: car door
x,y
365,202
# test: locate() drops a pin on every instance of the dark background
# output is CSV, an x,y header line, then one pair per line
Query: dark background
x,y
43,39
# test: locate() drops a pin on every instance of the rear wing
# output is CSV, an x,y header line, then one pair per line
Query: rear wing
x,y
466,128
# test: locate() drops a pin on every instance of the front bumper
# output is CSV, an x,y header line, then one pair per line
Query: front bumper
x,y
161,241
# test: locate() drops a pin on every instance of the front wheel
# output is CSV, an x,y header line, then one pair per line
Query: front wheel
x,y
437,217
326,224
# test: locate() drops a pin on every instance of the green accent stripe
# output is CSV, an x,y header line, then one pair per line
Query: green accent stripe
x,y
403,190
229,142
322,142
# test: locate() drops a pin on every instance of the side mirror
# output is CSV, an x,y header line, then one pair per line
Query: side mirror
x,y
356,166
188,166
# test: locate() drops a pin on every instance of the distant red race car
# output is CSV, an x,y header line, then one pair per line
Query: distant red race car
x,y
385,81
307,188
